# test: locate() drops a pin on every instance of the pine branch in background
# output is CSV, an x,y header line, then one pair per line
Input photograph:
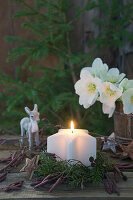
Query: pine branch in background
x,y
53,89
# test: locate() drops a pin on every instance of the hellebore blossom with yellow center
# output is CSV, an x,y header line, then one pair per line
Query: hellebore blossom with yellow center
x,y
98,82
87,88
109,93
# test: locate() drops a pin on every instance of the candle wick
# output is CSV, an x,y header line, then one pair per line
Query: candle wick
x,y
72,131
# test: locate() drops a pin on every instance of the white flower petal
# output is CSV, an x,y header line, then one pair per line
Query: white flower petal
x,y
113,87
123,83
83,100
106,67
103,73
92,98
107,101
109,93
129,84
127,98
112,111
113,75
79,86
97,63
127,109
108,110
99,68
121,76
85,74
114,71
87,89
89,69
126,84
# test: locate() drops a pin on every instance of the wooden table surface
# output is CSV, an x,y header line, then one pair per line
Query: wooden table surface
x,y
62,191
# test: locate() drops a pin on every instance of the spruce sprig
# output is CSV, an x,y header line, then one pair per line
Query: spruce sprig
x,y
54,171
76,174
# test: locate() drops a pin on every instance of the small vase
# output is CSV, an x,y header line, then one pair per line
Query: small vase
x,y
123,124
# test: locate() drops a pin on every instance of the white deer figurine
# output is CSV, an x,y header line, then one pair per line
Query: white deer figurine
x,y
29,125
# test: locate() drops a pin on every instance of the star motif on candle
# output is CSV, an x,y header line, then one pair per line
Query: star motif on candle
x,y
30,166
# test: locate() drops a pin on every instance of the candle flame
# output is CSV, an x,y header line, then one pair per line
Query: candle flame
x,y
72,126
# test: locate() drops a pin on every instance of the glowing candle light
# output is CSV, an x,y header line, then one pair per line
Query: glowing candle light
x,y
72,126
78,146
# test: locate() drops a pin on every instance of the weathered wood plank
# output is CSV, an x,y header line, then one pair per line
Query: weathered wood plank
x,y
10,143
62,191
27,192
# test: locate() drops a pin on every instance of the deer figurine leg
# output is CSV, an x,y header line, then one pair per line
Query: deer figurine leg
x,y
37,138
30,140
22,136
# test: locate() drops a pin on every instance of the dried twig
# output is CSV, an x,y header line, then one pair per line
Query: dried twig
x,y
14,161
44,181
4,160
35,183
3,176
59,180
13,186
110,185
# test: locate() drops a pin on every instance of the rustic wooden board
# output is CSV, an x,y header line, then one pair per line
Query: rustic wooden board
x,y
13,142
62,191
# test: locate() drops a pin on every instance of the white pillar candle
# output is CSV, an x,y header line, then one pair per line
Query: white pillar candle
x,y
72,144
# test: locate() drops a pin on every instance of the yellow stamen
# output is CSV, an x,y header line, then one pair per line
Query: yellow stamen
x,y
131,99
91,87
110,92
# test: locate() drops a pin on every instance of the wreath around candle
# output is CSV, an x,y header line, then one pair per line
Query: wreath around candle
x,y
53,172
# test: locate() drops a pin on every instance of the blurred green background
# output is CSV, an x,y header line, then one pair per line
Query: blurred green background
x,y
53,41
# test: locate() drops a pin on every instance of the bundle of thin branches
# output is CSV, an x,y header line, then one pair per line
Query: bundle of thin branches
x,y
14,160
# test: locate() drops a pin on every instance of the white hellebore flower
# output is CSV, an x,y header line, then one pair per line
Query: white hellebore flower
x,y
98,69
114,76
87,89
108,95
127,98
